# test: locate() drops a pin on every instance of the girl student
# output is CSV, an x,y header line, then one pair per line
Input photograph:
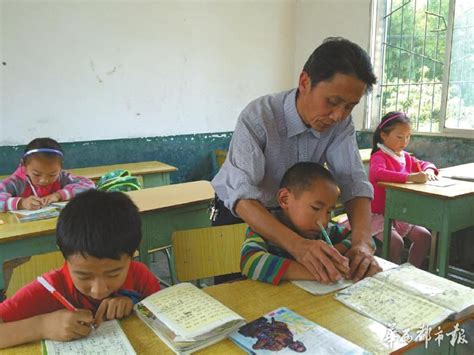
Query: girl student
x,y
390,163
40,179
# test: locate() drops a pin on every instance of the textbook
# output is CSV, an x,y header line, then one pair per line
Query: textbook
x,y
108,339
318,288
186,318
36,215
283,331
408,299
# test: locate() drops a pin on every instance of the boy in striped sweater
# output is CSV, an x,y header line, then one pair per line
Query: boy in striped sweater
x,y
308,193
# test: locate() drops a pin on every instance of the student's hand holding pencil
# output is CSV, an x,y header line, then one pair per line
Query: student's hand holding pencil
x,y
64,325
30,203
419,177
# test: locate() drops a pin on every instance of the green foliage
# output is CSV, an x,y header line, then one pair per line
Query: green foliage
x,y
415,49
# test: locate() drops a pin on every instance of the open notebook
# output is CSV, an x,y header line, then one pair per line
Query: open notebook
x,y
317,288
186,318
108,339
408,298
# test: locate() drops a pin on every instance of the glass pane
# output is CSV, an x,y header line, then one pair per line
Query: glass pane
x,y
460,106
414,47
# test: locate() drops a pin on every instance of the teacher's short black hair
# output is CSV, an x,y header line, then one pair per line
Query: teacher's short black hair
x,y
99,224
339,55
301,177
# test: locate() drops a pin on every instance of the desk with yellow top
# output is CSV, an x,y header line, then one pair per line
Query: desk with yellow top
x,y
252,299
442,209
163,209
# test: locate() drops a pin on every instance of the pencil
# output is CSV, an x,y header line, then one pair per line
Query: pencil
x,y
32,187
56,294
325,234
418,165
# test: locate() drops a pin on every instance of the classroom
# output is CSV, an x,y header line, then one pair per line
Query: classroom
x,y
171,95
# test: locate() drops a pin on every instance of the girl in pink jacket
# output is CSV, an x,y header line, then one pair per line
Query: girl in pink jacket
x,y
390,163
40,179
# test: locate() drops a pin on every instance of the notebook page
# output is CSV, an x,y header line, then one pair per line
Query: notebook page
x,y
391,306
318,288
441,183
438,290
108,339
188,311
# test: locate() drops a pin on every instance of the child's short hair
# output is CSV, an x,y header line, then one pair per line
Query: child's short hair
x,y
301,176
44,148
99,224
386,125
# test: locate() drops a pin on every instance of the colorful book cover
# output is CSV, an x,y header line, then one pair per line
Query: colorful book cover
x,y
283,331
36,215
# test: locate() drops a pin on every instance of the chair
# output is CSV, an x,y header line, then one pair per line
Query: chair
x,y
217,159
206,252
36,266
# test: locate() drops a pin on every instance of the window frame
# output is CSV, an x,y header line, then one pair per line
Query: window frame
x,y
378,29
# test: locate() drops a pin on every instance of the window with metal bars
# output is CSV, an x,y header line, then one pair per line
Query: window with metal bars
x,y
423,54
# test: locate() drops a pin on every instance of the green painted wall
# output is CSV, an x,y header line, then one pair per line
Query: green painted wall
x,y
442,151
191,154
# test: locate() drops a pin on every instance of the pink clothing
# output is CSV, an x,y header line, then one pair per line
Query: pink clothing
x,y
16,186
384,168
377,222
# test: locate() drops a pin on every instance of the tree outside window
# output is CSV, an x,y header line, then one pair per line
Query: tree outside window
x,y
424,58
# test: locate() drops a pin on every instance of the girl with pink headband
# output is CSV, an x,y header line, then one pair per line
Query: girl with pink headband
x,y
390,163
40,179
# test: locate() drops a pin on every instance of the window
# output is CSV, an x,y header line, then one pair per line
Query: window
x,y
423,54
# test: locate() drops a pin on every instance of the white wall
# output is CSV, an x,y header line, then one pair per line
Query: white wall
x,y
318,19
103,69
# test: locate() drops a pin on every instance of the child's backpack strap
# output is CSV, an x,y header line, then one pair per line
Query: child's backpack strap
x,y
118,180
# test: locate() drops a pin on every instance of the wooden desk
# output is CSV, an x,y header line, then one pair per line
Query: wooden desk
x,y
153,173
252,299
442,209
163,209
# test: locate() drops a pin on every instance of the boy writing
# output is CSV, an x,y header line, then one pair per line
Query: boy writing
x,y
308,193
97,232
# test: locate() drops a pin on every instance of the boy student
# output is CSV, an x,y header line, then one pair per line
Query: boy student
x,y
97,232
307,195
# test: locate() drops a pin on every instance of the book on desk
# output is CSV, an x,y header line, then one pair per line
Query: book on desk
x,y
283,331
47,212
187,319
407,299
35,215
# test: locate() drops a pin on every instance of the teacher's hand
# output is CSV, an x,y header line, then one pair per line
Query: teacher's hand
x,y
362,262
321,260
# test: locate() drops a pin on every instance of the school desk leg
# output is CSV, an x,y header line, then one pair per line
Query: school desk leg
x,y
144,257
433,259
387,229
443,252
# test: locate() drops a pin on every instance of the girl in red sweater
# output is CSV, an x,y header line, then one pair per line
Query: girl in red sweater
x,y
390,163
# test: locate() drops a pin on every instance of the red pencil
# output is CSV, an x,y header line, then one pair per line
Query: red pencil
x,y
55,293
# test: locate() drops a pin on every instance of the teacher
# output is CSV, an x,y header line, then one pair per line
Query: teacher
x,y
312,122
